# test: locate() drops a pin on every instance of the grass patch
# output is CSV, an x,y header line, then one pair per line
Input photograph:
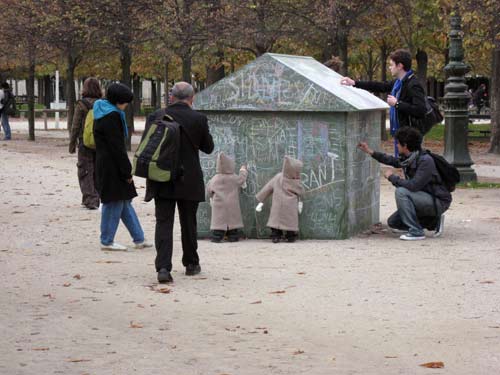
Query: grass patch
x,y
437,131
478,185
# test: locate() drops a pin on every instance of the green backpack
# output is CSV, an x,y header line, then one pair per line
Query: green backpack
x,y
158,156
88,127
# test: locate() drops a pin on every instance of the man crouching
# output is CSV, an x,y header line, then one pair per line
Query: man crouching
x,y
421,194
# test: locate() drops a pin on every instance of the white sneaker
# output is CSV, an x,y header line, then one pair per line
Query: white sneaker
x,y
113,247
440,227
411,237
142,245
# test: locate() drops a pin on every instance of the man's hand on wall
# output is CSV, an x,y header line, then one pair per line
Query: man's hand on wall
x,y
346,81
363,146
388,173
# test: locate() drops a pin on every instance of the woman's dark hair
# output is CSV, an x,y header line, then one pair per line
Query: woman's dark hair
x,y
118,93
410,137
401,56
5,86
92,88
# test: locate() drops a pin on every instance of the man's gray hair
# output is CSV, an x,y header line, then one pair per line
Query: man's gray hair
x,y
182,90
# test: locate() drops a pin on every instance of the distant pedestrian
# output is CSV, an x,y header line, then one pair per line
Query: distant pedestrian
x,y
113,169
480,97
6,109
86,156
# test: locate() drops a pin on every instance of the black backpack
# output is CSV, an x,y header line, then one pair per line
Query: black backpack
x,y
158,156
448,173
432,116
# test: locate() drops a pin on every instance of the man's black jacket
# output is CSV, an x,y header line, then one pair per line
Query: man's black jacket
x,y
421,175
195,135
411,101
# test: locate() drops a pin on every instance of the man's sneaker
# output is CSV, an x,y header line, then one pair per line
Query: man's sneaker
x,y
411,237
440,227
164,276
398,231
193,269
113,247
142,245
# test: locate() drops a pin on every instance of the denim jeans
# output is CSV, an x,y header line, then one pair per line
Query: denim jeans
x,y
6,126
111,213
411,206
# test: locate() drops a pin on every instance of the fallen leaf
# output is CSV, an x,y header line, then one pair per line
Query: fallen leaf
x,y
255,303
487,282
40,349
108,261
390,356
278,292
49,295
66,284
226,278
433,365
301,273
135,325
79,360
298,352
164,290
77,276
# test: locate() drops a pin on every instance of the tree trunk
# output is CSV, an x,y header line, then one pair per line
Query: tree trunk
x,y
495,99
186,68
153,93
167,99
215,73
342,42
422,62
47,87
158,94
384,54
136,83
126,62
70,89
31,96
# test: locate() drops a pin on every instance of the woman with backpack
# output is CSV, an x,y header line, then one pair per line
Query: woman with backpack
x,y
113,169
86,156
6,100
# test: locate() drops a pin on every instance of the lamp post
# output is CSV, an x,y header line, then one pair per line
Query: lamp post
x,y
456,100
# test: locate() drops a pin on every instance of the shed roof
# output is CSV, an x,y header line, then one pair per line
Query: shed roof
x,y
276,82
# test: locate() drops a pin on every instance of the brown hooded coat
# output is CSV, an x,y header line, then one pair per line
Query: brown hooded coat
x,y
286,189
224,188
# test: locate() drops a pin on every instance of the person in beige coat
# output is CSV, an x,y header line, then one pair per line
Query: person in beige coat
x,y
223,190
286,190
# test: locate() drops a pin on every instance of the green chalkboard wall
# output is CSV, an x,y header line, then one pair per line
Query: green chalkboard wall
x,y
292,105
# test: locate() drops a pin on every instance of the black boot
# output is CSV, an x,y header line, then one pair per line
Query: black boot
x,y
217,236
276,235
290,236
164,276
232,235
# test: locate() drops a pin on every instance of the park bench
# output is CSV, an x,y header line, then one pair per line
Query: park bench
x,y
484,134
44,112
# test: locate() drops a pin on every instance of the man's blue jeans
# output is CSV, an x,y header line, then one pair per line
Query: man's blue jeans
x,y
6,126
111,213
411,206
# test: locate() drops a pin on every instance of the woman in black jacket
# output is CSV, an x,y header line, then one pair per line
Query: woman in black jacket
x,y
113,169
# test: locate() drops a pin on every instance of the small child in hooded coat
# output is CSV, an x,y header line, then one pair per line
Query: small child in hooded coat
x,y
223,190
286,190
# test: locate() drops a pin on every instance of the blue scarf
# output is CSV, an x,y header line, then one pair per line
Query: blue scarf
x,y
396,92
103,107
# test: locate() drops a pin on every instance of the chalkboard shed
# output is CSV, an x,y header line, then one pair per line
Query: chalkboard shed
x,y
281,105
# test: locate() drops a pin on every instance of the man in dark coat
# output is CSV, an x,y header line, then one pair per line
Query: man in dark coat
x,y
187,191
421,194
407,96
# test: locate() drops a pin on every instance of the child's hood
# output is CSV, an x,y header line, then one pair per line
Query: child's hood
x,y
292,167
225,164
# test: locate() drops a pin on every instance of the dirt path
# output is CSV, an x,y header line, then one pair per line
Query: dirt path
x,y
368,305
